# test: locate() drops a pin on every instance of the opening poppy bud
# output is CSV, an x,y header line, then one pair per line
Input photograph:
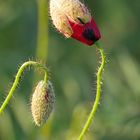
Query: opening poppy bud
x,y
42,102
73,19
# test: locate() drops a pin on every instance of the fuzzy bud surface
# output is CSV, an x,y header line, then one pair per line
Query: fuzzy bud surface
x,y
42,102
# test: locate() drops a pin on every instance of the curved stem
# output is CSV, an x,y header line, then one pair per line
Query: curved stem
x,y
98,94
17,79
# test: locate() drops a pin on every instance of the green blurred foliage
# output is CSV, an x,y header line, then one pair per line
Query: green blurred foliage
x,y
73,68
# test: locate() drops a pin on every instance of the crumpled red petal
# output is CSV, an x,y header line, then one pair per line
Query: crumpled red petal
x,y
86,33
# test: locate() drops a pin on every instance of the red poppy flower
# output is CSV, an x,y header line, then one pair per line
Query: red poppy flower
x,y
73,19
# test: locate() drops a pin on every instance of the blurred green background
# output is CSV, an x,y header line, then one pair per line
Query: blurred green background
x,y
73,69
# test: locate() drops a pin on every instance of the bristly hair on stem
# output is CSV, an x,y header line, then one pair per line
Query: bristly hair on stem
x,y
98,94
20,72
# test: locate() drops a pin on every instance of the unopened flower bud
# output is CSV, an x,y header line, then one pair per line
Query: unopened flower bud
x,y
73,19
42,102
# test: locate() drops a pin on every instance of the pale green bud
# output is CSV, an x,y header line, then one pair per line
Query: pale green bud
x,y
42,102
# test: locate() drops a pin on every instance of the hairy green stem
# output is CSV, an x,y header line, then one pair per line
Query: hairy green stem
x,y
98,95
17,79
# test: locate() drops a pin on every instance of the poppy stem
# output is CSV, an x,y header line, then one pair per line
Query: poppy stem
x,y
42,30
98,94
18,77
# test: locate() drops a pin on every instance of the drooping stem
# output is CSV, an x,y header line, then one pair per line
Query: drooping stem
x,y
17,79
98,94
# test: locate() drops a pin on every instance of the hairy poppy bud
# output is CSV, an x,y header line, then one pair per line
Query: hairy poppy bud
x,y
42,102
73,19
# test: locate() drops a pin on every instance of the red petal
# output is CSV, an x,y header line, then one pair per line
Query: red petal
x,y
87,33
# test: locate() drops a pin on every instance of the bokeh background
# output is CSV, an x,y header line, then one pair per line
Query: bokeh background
x,y
73,69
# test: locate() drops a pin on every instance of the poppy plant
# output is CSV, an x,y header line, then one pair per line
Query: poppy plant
x,y
72,19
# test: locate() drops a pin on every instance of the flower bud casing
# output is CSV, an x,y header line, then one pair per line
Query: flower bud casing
x,y
73,19
42,102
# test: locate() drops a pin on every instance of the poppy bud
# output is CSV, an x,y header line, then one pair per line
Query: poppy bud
x,y
42,102
73,19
